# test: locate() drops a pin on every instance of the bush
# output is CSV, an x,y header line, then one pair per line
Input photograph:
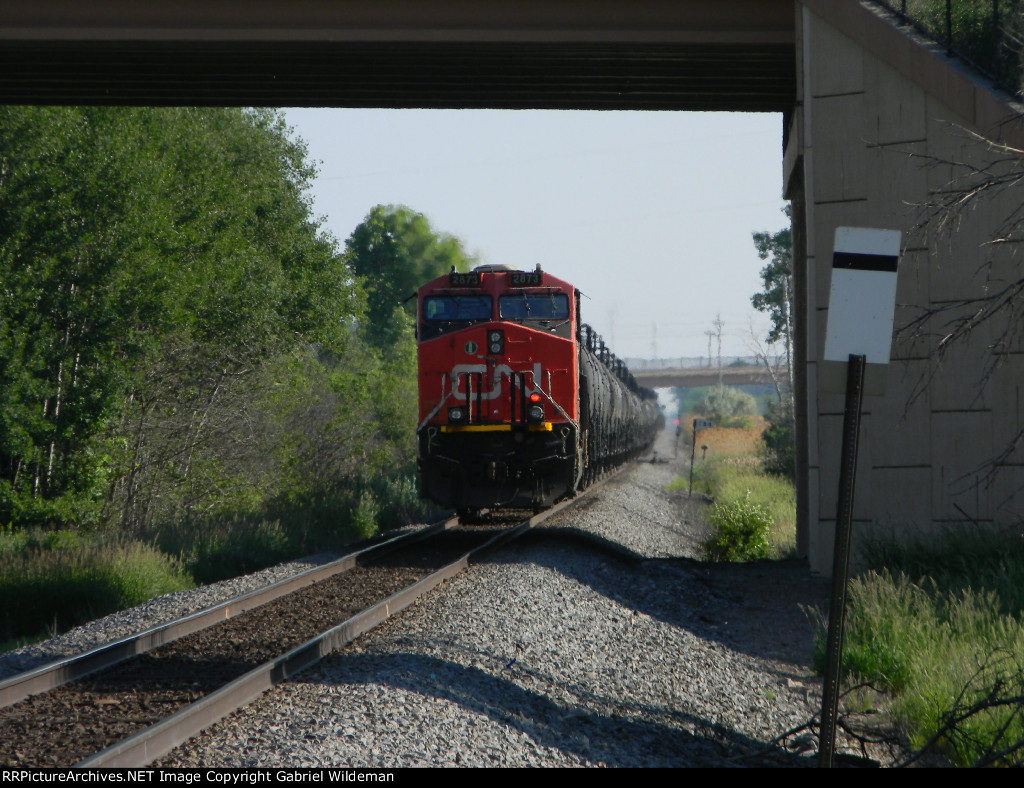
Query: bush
x,y
216,551
741,532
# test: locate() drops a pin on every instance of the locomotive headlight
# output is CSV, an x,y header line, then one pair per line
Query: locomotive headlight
x,y
456,415
496,342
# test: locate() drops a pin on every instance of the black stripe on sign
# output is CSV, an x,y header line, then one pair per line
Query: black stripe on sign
x,y
864,262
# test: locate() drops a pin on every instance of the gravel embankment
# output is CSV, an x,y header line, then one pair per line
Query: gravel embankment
x,y
596,642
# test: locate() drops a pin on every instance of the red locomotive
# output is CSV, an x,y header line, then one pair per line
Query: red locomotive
x,y
520,403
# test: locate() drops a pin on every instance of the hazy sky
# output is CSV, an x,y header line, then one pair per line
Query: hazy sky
x,y
649,214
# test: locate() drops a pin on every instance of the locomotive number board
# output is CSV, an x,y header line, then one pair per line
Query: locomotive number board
x,y
525,278
459,279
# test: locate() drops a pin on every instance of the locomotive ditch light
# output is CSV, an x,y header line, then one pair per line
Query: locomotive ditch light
x,y
456,415
495,342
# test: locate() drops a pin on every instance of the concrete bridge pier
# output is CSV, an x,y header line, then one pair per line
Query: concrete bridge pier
x,y
880,116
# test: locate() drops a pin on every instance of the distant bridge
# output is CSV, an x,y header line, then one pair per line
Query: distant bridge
x,y
704,376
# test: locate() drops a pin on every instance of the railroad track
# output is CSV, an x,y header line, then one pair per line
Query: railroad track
x,y
129,703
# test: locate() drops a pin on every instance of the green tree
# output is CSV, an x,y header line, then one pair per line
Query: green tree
x,y
777,279
727,405
76,237
394,250
257,301
776,300
152,263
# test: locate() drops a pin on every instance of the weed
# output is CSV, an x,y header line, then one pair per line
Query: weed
x,y
741,532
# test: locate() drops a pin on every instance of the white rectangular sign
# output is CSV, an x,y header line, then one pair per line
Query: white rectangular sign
x,y
862,300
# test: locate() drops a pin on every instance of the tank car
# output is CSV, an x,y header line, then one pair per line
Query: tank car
x,y
520,404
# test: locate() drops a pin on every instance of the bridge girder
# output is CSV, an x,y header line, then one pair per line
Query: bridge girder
x,y
595,54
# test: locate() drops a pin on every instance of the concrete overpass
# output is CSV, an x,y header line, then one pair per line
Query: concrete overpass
x,y
877,121
595,54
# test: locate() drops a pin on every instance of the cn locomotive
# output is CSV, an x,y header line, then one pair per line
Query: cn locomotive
x,y
520,404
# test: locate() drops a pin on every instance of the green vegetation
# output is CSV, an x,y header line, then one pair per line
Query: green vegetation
x,y
779,451
987,32
187,362
58,579
936,623
745,488
689,399
728,407
741,532
777,278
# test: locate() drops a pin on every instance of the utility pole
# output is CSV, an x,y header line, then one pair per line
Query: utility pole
x,y
709,335
654,341
718,324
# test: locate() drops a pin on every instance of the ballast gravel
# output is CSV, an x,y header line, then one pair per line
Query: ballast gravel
x,y
599,641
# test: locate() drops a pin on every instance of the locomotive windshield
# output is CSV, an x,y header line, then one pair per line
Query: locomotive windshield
x,y
534,306
449,308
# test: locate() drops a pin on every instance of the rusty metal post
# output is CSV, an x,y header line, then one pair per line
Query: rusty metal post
x,y
693,456
841,560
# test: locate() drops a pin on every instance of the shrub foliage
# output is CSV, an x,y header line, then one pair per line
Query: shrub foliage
x,y
741,532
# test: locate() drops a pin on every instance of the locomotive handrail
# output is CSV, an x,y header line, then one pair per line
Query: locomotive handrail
x,y
437,407
558,407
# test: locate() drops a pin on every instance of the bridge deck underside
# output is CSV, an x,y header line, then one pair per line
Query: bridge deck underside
x,y
674,76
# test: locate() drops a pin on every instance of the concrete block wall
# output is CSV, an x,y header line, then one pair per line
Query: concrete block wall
x,y
877,112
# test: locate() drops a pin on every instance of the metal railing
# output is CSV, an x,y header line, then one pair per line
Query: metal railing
x,y
988,34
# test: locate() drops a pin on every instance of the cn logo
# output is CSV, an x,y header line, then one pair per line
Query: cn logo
x,y
461,372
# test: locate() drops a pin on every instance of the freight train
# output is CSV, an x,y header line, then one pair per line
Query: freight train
x,y
520,403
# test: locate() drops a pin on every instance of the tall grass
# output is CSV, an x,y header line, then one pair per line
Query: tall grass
x,y
936,622
955,558
56,581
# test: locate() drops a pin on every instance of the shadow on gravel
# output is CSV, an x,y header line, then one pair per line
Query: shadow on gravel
x,y
611,739
763,609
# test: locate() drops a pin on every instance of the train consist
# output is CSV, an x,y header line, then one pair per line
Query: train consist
x,y
520,404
